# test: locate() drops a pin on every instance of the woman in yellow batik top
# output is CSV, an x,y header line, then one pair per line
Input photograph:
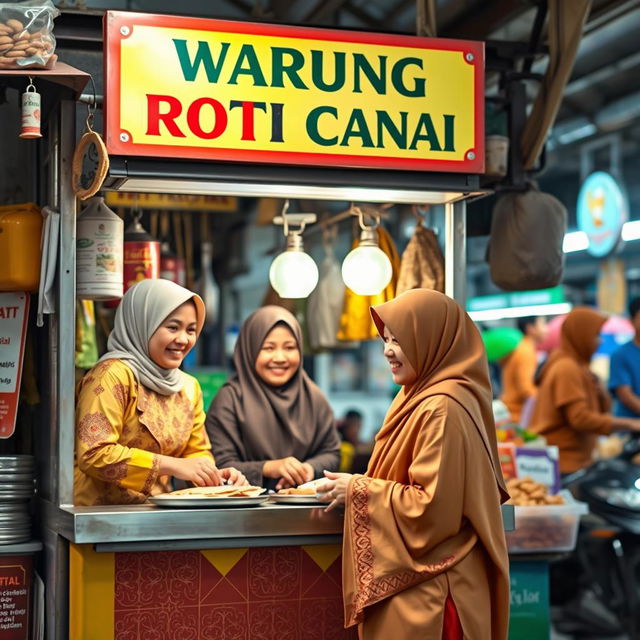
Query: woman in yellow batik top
x,y
139,419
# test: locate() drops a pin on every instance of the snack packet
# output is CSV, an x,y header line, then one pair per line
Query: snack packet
x,y
26,34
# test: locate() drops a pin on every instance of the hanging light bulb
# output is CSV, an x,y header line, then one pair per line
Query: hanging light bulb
x,y
293,273
367,270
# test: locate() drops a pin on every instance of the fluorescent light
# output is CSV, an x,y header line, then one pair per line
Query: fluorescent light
x,y
578,133
555,309
575,241
579,241
631,230
247,189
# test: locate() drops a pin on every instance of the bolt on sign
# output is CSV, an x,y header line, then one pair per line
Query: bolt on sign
x,y
180,87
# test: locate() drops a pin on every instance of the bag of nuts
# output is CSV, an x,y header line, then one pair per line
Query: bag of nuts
x,y
26,34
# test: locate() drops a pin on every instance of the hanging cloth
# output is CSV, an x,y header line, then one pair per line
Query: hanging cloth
x,y
566,21
422,265
355,322
50,237
325,304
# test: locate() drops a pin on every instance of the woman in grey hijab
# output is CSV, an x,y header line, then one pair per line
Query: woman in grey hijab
x,y
270,420
139,418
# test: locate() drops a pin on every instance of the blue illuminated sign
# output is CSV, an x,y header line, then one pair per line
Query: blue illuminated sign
x,y
602,210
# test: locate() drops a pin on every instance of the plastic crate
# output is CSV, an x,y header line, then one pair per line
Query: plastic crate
x,y
547,528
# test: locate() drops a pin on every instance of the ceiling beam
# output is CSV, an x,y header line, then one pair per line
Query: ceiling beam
x,y
484,19
322,10
365,18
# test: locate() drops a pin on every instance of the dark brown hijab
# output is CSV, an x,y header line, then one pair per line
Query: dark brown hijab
x,y
250,421
444,347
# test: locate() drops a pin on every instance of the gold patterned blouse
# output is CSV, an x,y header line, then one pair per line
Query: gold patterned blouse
x,y
121,426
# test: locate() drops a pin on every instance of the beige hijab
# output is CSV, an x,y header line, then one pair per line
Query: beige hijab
x,y
140,312
444,347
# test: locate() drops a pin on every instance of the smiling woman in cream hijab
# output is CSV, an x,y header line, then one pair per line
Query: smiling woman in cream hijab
x,y
424,552
139,419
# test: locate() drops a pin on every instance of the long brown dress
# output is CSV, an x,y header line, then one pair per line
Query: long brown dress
x,y
571,410
423,527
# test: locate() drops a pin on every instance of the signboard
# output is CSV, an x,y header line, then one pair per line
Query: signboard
x,y
171,201
180,87
15,595
14,312
540,464
602,210
553,295
529,614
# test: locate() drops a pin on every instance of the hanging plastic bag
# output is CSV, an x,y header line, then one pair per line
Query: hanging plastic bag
x,y
325,304
26,34
525,246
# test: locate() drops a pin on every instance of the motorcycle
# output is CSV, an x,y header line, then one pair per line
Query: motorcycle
x,y
598,586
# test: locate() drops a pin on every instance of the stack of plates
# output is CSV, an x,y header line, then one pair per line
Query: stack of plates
x,y
16,490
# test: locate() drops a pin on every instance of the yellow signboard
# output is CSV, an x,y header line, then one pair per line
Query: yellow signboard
x,y
170,201
197,88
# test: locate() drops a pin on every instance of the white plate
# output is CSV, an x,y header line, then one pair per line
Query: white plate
x,y
166,500
296,499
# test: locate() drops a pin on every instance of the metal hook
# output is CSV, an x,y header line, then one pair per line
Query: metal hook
x,y
376,217
91,107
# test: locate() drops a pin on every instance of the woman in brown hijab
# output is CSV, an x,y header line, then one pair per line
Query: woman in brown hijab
x,y
572,406
424,552
270,418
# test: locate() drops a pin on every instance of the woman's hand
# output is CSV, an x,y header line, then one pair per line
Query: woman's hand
x,y
334,490
290,471
202,470
232,476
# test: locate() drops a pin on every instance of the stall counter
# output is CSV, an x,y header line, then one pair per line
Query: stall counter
x,y
269,572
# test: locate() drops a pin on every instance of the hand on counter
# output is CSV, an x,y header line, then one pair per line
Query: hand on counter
x,y
290,471
202,470
232,476
334,491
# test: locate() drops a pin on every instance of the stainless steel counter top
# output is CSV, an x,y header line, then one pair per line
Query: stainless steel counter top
x,y
150,527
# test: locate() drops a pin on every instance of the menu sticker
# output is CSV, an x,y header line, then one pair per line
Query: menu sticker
x,y
15,592
14,313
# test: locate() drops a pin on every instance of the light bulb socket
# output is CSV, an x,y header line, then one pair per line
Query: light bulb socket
x,y
294,242
368,237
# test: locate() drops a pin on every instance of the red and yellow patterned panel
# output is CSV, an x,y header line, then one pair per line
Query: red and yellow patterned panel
x,y
271,593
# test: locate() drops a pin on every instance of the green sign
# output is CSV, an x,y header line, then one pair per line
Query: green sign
x,y
529,617
554,295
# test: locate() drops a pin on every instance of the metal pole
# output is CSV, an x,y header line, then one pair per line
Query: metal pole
x,y
66,310
455,251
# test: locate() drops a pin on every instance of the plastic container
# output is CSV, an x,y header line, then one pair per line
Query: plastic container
x,y
496,156
543,529
99,252
20,250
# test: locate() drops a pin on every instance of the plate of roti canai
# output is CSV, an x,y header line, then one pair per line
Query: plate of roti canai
x,y
219,497
303,494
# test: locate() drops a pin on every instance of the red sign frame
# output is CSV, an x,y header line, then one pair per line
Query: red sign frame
x,y
473,161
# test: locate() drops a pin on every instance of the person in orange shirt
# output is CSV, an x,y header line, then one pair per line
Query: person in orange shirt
x,y
519,368
572,407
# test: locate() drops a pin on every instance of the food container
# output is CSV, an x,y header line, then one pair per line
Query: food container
x,y
548,528
20,250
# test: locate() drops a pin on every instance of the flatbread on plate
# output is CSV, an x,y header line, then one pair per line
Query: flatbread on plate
x,y
223,491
